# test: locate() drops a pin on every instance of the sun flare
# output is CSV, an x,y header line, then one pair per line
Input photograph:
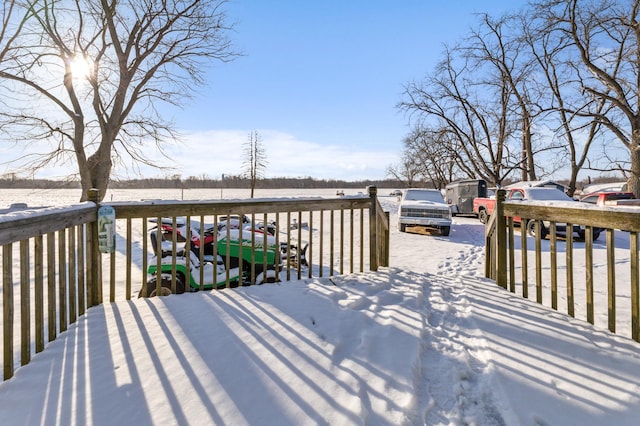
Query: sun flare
x,y
81,67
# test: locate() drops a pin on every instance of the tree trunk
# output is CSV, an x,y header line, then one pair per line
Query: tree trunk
x,y
529,172
96,175
572,179
633,184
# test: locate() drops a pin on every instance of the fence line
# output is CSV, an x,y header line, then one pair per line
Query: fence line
x,y
53,269
502,264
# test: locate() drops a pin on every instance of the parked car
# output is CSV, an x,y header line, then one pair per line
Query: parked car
x,y
603,198
396,193
555,196
424,207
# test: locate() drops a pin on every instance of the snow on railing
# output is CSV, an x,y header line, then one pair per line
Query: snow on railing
x,y
58,262
572,276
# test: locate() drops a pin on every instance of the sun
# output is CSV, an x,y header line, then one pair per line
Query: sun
x,y
81,67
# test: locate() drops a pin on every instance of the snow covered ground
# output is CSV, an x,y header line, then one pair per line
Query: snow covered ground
x,y
426,341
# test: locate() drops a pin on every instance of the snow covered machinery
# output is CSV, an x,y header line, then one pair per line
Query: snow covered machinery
x,y
235,252
240,257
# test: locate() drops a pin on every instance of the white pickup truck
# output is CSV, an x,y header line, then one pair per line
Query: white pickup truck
x,y
424,207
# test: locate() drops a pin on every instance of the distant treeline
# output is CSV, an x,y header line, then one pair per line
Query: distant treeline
x,y
194,182
17,183
235,182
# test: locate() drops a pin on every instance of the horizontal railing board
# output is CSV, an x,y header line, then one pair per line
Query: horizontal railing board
x,y
222,207
69,267
600,217
608,217
25,224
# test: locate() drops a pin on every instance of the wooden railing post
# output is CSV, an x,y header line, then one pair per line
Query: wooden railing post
x,y
501,233
94,260
488,247
373,227
387,245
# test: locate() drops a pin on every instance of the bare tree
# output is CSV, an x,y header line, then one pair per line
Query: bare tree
x,y
605,38
255,159
476,119
432,151
495,50
13,18
564,108
407,171
87,78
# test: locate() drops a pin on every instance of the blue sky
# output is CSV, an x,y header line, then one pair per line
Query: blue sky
x,y
319,81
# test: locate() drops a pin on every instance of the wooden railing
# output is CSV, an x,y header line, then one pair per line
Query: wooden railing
x,y
46,250
53,269
502,263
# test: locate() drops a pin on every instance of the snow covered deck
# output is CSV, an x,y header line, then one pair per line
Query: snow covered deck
x,y
427,341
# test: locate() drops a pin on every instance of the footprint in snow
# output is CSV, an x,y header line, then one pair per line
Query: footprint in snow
x,y
358,303
386,298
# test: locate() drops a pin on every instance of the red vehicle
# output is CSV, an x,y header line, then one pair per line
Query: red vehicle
x,y
604,198
483,207
537,194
